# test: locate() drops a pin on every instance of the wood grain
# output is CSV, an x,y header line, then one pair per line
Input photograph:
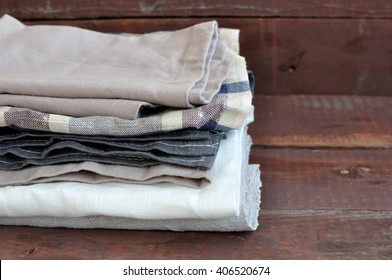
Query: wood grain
x,y
295,56
310,179
329,236
322,129
72,9
323,121
316,204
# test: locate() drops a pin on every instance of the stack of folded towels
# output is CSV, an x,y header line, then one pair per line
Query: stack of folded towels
x,y
124,131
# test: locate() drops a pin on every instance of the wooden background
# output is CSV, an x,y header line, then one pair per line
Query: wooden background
x,y
323,47
322,132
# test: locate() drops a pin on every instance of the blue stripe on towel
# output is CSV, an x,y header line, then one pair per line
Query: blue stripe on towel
x,y
234,87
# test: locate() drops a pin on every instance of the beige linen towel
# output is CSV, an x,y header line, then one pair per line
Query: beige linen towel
x,y
184,68
93,172
77,107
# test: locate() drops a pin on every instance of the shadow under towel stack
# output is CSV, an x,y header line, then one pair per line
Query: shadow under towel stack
x,y
144,132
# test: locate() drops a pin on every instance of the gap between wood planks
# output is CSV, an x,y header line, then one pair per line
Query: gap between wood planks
x,y
32,20
310,148
89,9
355,214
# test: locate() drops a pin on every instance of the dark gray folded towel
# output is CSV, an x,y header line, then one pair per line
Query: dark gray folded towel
x,y
20,149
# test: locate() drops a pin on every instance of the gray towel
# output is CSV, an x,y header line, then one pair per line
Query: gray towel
x,y
23,149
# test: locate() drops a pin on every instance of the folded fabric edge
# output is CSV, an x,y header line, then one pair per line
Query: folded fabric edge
x,y
51,42
230,112
9,25
123,203
247,220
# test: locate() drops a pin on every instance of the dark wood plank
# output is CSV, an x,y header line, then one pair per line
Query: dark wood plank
x,y
323,121
294,236
316,203
197,8
295,56
309,179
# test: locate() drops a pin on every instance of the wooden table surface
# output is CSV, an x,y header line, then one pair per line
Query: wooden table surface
x,y
326,169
